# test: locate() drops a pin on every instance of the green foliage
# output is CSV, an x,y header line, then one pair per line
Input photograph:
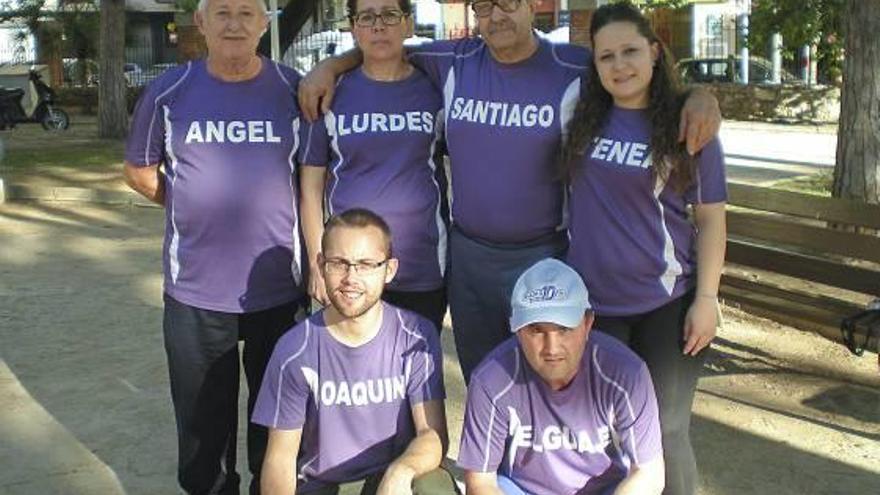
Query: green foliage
x,y
187,5
27,12
801,22
665,4
656,4
818,184
71,31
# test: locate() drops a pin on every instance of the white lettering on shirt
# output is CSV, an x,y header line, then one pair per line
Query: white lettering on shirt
x,y
501,114
354,394
556,437
621,152
233,131
384,122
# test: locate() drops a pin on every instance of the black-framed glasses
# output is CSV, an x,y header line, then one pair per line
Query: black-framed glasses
x,y
483,8
368,18
339,266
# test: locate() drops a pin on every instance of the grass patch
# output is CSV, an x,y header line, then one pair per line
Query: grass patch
x,y
818,184
99,154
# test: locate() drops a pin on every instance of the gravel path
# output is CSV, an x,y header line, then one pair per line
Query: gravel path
x,y
85,406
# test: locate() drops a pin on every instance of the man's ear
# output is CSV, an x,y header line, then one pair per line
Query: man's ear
x,y
410,27
533,7
391,269
589,318
199,21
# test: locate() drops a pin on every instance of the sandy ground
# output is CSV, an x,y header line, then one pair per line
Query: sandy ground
x,y
85,406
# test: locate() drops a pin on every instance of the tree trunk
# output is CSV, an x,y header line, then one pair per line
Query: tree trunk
x,y
857,172
112,108
293,17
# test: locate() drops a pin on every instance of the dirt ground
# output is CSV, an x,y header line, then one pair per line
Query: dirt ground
x,y
85,407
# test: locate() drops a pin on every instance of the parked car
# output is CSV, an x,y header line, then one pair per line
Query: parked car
x,y
726,69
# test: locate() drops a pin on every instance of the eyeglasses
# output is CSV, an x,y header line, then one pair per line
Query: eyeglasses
x,y
339,266
483,8
368,18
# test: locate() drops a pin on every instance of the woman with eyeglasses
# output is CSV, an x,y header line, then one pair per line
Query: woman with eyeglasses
x,y
651,271
375,149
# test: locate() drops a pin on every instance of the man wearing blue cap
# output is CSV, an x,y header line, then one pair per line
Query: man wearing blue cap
x,y
556,409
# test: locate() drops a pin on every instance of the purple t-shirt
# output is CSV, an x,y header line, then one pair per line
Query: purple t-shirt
x,y
352,403
504,123
231,233
581,439
631,239
378,143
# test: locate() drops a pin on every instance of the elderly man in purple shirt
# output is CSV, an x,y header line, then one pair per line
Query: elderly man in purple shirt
x,y
557,408
212,142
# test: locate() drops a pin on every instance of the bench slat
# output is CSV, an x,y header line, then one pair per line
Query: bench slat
x,y
805,206
778,307
811,238
805,267
818,301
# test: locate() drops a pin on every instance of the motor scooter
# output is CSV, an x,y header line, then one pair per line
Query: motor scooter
x,y
25,98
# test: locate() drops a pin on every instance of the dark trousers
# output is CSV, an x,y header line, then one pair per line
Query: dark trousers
x,y
480,280
431,304
203,364
657,337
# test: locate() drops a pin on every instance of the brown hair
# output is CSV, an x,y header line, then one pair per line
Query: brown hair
x,y
358,218
670,160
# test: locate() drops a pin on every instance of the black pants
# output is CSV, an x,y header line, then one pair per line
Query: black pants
x,y
430,304
203,364
657,337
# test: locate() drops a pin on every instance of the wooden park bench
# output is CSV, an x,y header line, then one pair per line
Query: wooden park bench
x,y
806,261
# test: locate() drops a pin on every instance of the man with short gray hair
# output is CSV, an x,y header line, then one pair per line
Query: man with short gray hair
x,y
213,141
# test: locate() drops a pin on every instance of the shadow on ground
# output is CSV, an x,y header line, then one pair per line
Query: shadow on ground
x,y
89,410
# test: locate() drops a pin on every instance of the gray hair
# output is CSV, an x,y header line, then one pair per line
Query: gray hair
x,y
203,5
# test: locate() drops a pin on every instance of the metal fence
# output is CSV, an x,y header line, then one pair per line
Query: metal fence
x,y
717,38
16,54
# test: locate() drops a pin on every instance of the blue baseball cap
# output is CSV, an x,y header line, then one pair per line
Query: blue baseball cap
x,y
548,292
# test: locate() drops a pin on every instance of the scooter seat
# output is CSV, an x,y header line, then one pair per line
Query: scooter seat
x,y
11,93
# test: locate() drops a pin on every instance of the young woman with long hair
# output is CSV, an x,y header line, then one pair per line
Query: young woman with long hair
x,y
652,271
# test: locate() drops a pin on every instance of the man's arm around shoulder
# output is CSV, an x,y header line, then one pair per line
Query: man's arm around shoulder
x,y
424,452
278,475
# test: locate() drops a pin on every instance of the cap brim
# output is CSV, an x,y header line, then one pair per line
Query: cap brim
x,y
565,317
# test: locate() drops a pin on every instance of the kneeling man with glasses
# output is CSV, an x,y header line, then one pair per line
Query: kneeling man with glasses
x,y
353,396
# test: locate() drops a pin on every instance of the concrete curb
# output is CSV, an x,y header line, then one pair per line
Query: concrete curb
x,y
24,192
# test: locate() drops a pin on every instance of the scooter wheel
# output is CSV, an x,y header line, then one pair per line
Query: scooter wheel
x,y
55,120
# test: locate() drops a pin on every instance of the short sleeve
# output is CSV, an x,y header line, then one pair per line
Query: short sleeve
x,y
637,421
315,142
284,394
426,365
710,183
484,432
146,137
436,58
